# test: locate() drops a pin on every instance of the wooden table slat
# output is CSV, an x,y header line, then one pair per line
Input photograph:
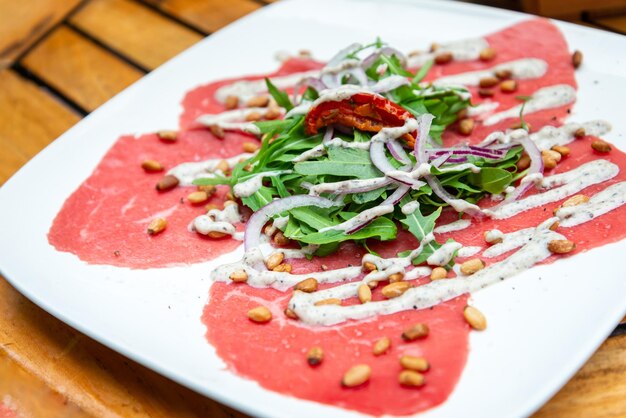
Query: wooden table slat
x,y
134,30
81,70
23,24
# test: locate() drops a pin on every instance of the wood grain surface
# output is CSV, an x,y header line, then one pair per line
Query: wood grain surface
x,y
60,60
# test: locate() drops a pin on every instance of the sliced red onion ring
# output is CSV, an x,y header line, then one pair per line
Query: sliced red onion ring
x,y
398,152
370,59
441,160
316,83
419,150
259,218
342,54
350,186
389,83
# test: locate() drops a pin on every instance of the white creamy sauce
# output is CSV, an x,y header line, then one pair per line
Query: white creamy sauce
x,y
603,202
187,172
460,167
453,226
344,186
462,50
410,207
253,184
486,107
494,235
219,221
365,216
549,136
246,89
544,98
301,253
570,182
510,241
279,222
320,149
525,68
443,255
468,251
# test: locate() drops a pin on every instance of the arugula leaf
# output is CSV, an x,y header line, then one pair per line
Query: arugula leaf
x,y
491,179
260,198
424,69
382,228
420,226
281,97
345,162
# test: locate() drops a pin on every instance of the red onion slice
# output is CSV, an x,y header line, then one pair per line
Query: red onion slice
x,y
393,199
389,83
397,151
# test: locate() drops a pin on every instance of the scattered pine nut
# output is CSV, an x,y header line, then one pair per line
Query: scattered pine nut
x,y
577,58
272,113
230,196
485,92
418,364
415,332
315,356
166,183
197,197
372,284
487,82
520,125
283,268
229,203
239,276
222,166
561,149
548,162
504,74
580,133
411,378
330,301
369,266
253,117
364,293
280,238
552,154
443,58
152,166
466,126
307,285
232,102
491,239
260,314
274,260
508,86
167,136
487,54
434,47
472,266
393,290
290,314
250,147
554,226
258,101
601,146
357,375
461,114
381,346
217,131
561,246
216,234
523,163
209,189
475,318
305,53
438,273
156,226
575,200
396,277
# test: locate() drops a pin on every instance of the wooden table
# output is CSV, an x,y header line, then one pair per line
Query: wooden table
x,y
61,59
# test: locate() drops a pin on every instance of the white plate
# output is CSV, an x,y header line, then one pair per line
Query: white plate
x,y
540,331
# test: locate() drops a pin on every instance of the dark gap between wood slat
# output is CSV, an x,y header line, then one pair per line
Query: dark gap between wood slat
x,y
25,73
262,2
47,33
106,47
173,18
589,17
619,330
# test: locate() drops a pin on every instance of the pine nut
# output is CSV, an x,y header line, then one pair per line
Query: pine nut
x,y
601,146
230,196
357,375
438,273
157,225
167,136
561,246
260,314
253,117
551,154
520,125
487,82
274,260
239,276
216,234
487,54
561,149
434,47
372,284
209,189
197,197
485,92
577,58
280,238
381,346
217,131
548,162
415,332
466,126
330,301
273,112
364,293
396,277
575,200
508,86
523,163
222,166
491,239
307,285
369,266
472,266
250,147
393,290
152,166
167,183
229,203
315,356
554,226
283,268
418,364
258,101
411,378
580,133
504,74
475,318
443,58
232,102
290,314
